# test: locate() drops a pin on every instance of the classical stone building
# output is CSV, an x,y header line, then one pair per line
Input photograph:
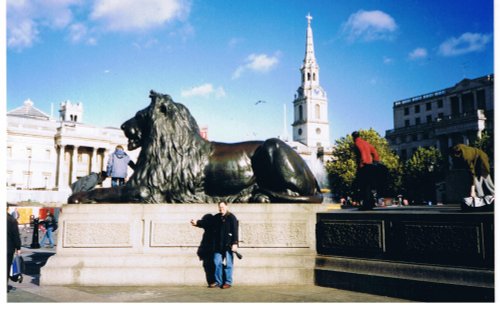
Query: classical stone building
x,y
458,114
45,155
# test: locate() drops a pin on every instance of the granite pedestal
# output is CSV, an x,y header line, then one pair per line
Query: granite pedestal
x,y
146,244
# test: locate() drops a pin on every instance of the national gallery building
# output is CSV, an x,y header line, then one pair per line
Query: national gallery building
x,y
45,155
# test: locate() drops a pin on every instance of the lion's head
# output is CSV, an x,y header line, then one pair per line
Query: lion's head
x,y
170,164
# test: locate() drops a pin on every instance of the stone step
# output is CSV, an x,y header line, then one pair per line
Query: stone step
x,y
412,281
176,269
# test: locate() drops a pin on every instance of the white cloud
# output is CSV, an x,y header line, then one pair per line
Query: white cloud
x,y
78,32
388,60
26,18
204,90
418,53
22,34
233,42
257,63
466,43
369,26
126,15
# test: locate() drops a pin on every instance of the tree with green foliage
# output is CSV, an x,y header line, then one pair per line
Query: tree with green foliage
x,y
421,173
342,169
485,143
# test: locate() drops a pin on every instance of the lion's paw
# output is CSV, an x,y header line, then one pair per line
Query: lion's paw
x,y
261,198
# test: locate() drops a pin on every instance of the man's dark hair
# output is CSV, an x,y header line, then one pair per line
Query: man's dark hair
x,y
222,201
355,135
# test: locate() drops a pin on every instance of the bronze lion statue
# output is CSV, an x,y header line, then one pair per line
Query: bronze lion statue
x,y
176,165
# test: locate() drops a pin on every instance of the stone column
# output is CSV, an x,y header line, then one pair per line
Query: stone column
x,y
74,161
60,167
93,161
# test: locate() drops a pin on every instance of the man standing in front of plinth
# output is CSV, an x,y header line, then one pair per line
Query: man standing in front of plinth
x,y
225,233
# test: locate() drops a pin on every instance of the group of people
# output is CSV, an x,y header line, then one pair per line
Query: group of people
x,y
117,166
222,244
371,175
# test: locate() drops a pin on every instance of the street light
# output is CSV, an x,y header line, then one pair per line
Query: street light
x,y
29,171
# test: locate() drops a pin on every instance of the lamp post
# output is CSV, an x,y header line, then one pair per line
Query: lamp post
x,y
29,171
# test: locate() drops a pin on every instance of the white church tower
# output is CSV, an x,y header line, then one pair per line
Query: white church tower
x,y
311,126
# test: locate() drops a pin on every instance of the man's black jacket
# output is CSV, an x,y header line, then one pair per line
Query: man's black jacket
x,y
224,230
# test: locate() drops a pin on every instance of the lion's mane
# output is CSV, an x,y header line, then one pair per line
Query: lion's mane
x,y
173,156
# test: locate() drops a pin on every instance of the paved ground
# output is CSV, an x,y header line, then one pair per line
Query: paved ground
x,y
30,291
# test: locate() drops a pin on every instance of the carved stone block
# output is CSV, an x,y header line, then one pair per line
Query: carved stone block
x,y
351,235
97,234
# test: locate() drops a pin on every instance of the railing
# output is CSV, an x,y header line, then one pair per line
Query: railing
x,y
475,115
420,98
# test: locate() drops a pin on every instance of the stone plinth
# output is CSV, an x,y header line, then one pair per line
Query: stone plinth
x,y
427,254
145,244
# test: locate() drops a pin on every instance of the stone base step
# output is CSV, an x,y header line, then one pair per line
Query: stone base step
x,y
430,283
175,269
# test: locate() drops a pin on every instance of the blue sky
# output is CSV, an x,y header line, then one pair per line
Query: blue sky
x,y
220,57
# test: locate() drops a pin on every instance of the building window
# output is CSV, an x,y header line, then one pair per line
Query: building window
x,y
317,111
417,109
28,152
318,131
455,106
440,103
440,116
407,123
300,131
481,99
407,111
308,76
47,154
417,121
428,106
9,151
468,102
314,76
428,118
301,114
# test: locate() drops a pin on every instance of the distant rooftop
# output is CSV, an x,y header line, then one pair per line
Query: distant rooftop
x,y
441,92
28,110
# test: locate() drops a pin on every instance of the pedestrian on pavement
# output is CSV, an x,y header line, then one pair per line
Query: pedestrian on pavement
x,y
478,165
13,242
370,173
224,227
118,164
50,224
15,214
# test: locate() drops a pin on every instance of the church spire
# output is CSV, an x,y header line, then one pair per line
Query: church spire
x,y
310,69
309,58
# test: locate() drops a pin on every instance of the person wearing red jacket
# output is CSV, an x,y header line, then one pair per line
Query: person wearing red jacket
x,y
367,173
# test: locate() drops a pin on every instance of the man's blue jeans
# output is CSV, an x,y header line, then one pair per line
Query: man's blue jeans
x,y
220,269
48,235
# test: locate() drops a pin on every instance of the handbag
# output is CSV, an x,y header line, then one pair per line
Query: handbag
x,y
17,269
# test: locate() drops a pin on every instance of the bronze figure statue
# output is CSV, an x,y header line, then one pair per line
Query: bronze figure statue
x,y
176,165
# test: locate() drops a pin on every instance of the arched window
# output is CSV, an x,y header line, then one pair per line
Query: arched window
x,y
301,114
308,76
76,118
314,76
317,111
